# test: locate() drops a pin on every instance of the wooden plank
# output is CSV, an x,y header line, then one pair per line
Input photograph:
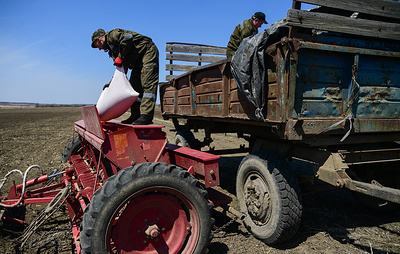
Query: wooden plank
x,y
170,77
334,23
383,8
195,49
179,67
193,58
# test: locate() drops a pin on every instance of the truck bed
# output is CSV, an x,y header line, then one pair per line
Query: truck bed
x,y
308,89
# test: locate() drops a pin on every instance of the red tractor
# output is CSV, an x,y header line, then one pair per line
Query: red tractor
x,y
128,190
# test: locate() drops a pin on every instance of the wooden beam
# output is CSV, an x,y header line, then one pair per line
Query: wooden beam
x,y
383,8
334,23
193,58
195,49
179,67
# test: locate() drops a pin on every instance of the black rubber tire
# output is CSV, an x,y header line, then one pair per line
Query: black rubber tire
x,y
268,193
73,147
137,183
186,138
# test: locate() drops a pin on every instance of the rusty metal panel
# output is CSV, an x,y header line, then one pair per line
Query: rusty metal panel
x,y
209,98
307,90
209,110
325,75
322,81
183,91
272,101
379,94
211,87
209,75
184,110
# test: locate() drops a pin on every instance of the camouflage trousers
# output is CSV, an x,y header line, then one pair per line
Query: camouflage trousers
x,y
144,79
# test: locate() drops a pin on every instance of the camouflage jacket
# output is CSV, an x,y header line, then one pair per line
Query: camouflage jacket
x,y
243,30
128,45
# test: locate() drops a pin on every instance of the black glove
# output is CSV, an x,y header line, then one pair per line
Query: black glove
x,y
106,85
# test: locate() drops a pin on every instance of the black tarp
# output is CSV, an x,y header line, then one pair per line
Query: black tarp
x,y
248,65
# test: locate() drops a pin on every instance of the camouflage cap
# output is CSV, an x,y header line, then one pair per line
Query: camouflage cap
x,y
97,34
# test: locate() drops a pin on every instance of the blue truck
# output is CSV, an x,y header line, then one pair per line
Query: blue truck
x,y
321,86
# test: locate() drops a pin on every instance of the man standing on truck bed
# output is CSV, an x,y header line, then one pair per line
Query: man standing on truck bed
x,y
138,53
245,29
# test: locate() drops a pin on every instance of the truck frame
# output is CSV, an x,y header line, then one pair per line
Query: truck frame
x,y
332,99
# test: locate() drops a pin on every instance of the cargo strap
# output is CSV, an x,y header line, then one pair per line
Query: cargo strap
x,y
354,89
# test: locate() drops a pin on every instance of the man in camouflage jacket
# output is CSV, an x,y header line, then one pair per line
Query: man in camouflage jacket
x,y
245,29
138,53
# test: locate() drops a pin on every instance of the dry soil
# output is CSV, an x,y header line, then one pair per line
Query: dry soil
x,y
333,222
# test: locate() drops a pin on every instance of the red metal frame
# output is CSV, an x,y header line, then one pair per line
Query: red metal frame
x,y
108,147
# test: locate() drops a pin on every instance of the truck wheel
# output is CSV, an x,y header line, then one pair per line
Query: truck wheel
x,y
267,192
186,138
73,147
148,208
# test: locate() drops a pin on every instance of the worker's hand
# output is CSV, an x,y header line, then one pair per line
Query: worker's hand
x,y
106,85
118,62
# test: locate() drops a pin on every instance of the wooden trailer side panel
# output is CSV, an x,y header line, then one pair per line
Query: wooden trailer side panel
x,y
211,91
206,92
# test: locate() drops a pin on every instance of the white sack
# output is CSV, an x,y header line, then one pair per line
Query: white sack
x,y
117,98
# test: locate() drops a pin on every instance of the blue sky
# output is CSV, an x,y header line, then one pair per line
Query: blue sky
x,y
45,44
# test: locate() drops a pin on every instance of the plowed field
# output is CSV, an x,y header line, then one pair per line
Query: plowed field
x,y
333,222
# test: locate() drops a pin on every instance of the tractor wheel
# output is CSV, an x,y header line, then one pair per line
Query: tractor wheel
x,y
186,138
267,192
73,147
148,208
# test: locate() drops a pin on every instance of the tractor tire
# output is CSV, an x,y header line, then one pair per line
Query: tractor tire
x,y
186,138
269,196
73,147
148,208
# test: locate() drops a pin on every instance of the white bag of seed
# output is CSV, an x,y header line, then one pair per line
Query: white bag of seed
x,y
117,98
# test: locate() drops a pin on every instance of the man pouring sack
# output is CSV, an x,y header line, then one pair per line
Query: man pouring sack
x,y
137,52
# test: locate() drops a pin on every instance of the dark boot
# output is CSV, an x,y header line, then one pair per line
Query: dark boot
x,y
135,113
143,120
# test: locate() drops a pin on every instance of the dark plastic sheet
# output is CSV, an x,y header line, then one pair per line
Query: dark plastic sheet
x,y
248,65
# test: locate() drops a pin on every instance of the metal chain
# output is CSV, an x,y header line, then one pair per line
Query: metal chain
x,y
45,214
50,237
216,231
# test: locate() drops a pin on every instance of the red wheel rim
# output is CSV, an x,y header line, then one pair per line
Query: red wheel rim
x,y
156,220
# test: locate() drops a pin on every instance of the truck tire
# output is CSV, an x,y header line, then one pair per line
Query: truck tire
x,y
269,196
186,138
73,147
148,208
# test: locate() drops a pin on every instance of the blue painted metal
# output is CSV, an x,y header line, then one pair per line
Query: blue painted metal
x,y
324,77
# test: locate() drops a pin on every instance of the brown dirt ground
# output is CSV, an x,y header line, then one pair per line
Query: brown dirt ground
x,y
333,222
